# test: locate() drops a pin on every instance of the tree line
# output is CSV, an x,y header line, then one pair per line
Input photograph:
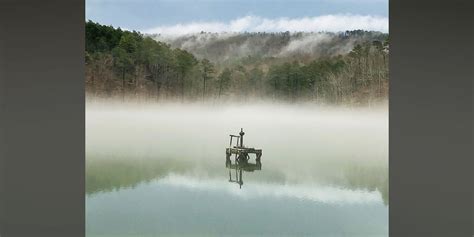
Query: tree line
x,y
226,49
128,64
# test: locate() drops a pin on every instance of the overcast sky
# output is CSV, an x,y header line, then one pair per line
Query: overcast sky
x,y
177,17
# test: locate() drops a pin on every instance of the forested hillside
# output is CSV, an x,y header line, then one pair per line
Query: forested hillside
x,y
230,48
343,68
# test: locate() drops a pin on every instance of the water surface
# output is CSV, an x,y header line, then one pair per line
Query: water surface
x,y
159,170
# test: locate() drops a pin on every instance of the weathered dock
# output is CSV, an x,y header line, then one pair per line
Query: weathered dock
x,y
240,151
241,158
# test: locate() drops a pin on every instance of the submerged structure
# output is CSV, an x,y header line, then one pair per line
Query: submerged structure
x,y
241,158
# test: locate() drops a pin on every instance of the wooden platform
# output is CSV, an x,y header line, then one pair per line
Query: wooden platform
x,y
243,150
242,153
240,161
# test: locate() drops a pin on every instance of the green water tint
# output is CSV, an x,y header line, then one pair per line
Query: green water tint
x,y
113,174
161,171
160,197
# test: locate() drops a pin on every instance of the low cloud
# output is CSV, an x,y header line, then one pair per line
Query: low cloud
x,y
306,44
327,23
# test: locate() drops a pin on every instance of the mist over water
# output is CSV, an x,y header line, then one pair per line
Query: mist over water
x,y
287,134
300,143
331,160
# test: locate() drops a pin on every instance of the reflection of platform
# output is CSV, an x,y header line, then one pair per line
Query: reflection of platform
x,y
249,167
241,158
239,167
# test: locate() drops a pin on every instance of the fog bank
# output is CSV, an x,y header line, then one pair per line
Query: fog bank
x,y
301,142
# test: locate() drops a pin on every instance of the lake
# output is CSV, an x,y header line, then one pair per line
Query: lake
x,y
159,170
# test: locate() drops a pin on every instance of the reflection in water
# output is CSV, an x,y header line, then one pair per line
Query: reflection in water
x,y
328,176
258,190
241,158
187,205
145,197
239,167
113,174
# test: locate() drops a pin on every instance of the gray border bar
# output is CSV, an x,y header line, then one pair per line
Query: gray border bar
x,y
42,115
431,118
43,118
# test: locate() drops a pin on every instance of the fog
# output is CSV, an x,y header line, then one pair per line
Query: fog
x,y
307,43
301,143
324,169
219,47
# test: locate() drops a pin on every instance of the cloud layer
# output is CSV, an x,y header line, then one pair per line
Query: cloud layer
x,y
329,23
315,193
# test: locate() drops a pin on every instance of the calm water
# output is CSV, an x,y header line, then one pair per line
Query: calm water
x,y
159,170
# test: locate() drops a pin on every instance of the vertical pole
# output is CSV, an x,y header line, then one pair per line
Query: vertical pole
x,y
241,137
240,178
